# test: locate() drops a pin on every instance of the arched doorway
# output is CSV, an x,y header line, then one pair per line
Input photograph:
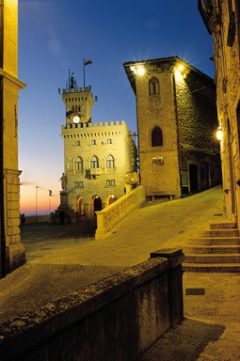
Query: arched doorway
x,y
97,204
80,206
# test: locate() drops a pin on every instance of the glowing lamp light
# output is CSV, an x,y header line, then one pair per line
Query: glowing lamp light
x,y
219,133
138,70
180,68
179,71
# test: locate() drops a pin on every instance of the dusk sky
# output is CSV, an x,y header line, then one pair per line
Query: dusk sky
x,y
55,36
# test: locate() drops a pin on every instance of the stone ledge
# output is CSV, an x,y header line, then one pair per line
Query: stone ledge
x,y
118,311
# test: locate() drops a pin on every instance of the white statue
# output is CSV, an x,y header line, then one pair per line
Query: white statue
x,y
63,180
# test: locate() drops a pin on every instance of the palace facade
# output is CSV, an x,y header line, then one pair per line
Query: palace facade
x,y
99,158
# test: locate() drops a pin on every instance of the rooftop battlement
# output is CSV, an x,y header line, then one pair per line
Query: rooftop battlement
x,y
94,125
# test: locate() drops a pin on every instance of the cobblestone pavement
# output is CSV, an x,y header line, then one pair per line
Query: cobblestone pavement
x,y
60,262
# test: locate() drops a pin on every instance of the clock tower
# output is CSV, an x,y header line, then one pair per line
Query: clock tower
x,y
78,101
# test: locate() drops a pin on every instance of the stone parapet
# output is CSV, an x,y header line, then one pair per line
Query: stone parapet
x,y
117,318
110,216
94,125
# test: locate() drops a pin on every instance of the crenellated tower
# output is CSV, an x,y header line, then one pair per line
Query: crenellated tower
x,y
78,101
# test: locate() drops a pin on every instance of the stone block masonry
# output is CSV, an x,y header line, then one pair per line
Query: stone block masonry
x,y
117,318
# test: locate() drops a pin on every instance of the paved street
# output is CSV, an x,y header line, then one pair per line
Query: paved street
x,y
61,261
145,230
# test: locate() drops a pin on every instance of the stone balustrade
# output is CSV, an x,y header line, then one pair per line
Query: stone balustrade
x,y
110,216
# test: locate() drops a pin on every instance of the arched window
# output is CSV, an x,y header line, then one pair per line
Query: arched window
x,y
78,165
157,138
110,162
94,163
153,86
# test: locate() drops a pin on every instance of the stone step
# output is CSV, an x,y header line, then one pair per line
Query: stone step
x,y
216,267
210,249
224,225
221,233
215,241
212,258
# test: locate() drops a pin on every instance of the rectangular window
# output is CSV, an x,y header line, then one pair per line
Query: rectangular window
x,y
110,183
78,143
79,184
93,142
109,141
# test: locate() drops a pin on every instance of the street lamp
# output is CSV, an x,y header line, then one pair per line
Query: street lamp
x,y
219,133
36,203
138,70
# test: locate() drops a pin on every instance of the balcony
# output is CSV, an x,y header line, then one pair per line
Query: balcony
x,y
95,171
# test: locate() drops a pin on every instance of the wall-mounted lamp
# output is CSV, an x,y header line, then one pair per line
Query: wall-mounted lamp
x,y
219,133
180,71
138,70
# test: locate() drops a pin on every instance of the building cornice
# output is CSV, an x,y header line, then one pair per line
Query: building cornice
x,y
13,79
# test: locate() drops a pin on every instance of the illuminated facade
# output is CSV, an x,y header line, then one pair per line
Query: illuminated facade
x,y
222,19
97,156
177,120
12,250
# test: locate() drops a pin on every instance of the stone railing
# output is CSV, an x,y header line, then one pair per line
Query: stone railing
x,y
110,216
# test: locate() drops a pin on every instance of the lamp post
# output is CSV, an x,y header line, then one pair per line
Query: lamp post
x,y
36,203
49,204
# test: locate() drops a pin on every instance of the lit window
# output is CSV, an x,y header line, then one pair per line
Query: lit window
x,y
94,163
78,164
157,137
110,163
153,86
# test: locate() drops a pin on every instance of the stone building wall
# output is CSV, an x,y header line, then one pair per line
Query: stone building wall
x,y
158,110
100,140
14,251
184,108
196,111
222,20
197,125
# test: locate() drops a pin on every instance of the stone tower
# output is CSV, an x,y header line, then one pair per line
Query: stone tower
x,y
176,119
98,157
78,102
12,251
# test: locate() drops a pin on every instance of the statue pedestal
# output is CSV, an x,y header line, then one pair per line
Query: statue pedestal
x,y
63,214
63,199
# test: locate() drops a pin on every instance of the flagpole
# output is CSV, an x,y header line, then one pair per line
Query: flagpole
x,y
85,62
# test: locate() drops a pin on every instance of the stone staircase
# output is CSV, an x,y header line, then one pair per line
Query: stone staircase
x,y
214,250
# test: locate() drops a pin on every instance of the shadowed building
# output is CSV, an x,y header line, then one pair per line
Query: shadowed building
x,y
12,250
176,118
97,156
222,19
